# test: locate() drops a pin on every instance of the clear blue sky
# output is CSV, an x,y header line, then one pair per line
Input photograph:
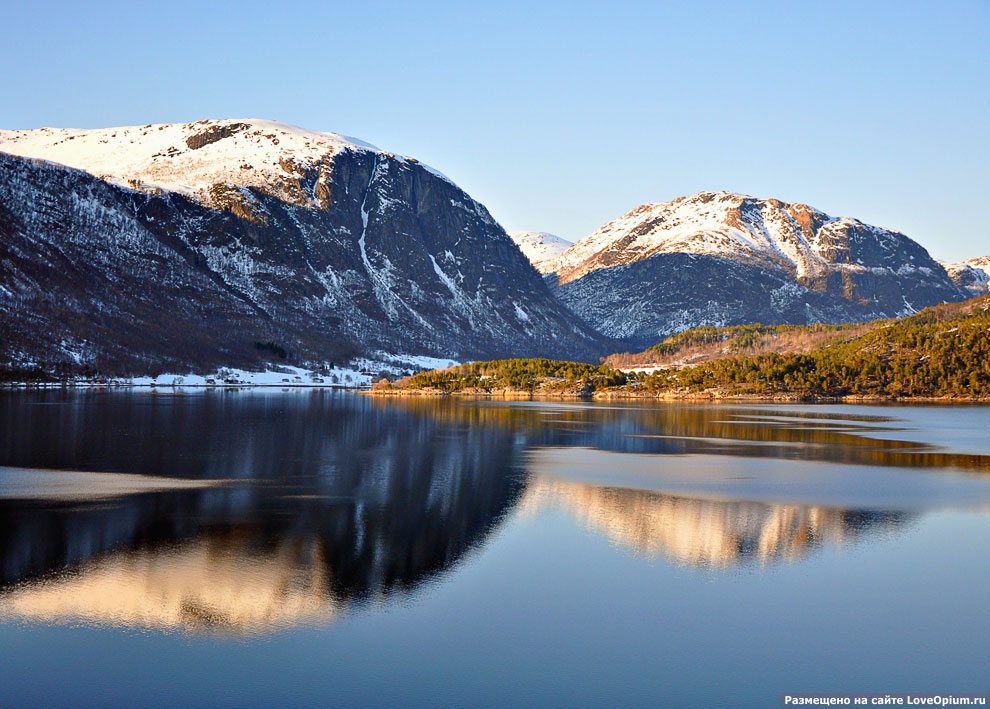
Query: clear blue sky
x,y
562,115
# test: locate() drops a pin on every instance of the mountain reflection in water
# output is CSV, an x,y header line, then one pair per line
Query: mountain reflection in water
x,y
216,581
337,501
707,532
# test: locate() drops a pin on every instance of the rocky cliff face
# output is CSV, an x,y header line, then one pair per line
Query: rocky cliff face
x,y
718,258
188,244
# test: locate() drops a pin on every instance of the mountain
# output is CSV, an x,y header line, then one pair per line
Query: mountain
x,y
228,242
719,258
972,274
541,248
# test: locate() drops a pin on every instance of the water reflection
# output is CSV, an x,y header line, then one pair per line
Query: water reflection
x,y
707,532
814,434
219,581
327,504
331,502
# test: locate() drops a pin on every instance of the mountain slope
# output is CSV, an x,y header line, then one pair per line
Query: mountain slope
x,y
644,301
719,258
972,274
704,344
541,248
187,244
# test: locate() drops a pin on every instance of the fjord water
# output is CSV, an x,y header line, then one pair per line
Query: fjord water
x,y
261,547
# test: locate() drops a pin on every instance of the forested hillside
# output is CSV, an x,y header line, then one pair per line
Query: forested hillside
x,y
941,352
701,344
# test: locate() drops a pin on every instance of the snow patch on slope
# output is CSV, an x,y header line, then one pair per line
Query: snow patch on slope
x,y
972,274
400,363
541,248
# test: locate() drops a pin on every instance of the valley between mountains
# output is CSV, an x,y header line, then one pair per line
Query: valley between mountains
x,y
250,243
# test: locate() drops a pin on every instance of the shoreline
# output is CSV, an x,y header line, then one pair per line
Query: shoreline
x,y
13,386
708,396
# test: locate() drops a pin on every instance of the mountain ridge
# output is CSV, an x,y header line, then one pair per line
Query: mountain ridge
x,y
190,157
327,247
722,258
327,251
771,233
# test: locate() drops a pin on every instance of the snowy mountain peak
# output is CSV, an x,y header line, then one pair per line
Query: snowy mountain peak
x,y
721,258
972,274
541,248
190,158
795,238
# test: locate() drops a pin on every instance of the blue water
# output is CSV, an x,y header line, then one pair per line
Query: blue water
x,y
361,552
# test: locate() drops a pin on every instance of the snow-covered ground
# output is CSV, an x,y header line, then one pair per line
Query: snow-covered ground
x,y
651,368
399,364
541,248
360,374
643,370
282,376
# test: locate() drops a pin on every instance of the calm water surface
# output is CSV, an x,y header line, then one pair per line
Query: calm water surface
x,y
263,547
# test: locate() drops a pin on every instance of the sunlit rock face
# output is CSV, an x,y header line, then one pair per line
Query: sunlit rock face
x,y
211,583
702,531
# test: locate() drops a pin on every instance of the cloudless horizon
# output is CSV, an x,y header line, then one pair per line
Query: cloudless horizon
x,y
561,116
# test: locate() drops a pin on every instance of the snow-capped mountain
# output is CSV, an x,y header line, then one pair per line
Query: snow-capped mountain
x,y
541,248
189,158
720,258
972,274
221,242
